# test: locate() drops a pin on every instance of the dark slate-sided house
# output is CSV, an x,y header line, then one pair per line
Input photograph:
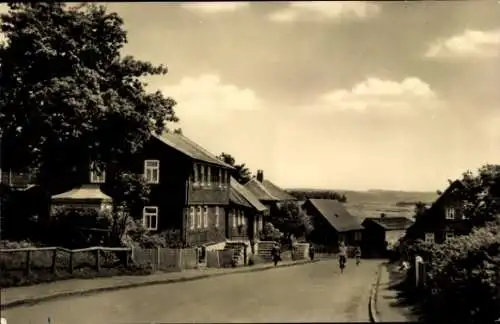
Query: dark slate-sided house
x,y
444,219
245,214
381,233
189,189
332,223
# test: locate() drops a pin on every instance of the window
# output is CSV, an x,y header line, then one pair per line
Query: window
x,y
97,176
357,236
220,178
243,221
235,218
152,171
199,217
209,176
150,217
429,237
202,175
192,219
224,178
196,176
449,235
217,215
205,216
450,213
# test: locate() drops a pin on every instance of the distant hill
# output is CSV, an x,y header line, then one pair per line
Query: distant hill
x,y
371,203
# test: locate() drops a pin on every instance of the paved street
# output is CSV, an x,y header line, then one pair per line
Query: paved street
x,y
312,292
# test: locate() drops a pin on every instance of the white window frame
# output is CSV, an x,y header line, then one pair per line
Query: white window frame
x,y
205,216
449,235
196,176
217,215
192,218
243,221
97,176
209,176
450,213
202,175
234,218
150,214
220,177
429,238
199,216
152,168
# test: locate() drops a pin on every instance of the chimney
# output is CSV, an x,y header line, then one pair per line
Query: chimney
x,y
260,175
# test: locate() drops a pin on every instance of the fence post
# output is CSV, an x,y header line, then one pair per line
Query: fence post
x,y
180,257
70,261
157,257
126,261
28,262
54,261
98,259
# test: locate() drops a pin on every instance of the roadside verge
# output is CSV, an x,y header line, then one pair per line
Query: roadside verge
x,y
372,303
45,292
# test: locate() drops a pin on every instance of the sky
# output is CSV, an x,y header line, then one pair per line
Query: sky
x,y
344,95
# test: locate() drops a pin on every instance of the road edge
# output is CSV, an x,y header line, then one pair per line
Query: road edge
x,y
37,300
372,303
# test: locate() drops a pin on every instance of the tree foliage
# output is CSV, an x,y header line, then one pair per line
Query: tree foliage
x,y
291,219
317,194
67,95
240,172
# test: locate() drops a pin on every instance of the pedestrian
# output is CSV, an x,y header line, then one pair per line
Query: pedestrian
x,y
342,256
275,252
311,252
357,254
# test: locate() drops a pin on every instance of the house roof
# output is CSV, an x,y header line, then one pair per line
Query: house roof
x,y
238,191
391,223
336,214
457,184
267,191
188,147
83,192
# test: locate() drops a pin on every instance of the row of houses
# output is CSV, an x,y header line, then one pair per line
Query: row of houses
x,y
192,192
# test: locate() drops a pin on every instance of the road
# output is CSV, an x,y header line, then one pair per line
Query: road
x,y
313,292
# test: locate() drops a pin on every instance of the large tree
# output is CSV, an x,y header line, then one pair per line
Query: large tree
x,y
240,172
68,96
289,218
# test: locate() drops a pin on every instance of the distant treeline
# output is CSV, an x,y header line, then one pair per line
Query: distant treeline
x,y
409,203
317,194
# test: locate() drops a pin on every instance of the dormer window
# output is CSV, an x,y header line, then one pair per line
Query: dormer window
x,y
152,171
97,176
450,213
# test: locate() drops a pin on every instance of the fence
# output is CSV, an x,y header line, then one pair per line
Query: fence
x,y
167,259
57,258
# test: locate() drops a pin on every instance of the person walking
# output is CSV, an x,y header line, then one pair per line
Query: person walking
x,y
275,252
311,252
342,256
357,254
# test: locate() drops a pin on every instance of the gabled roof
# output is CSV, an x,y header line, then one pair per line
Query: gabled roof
x,y
267,191
277,191
83,192
237,192
455,185
336,214
391,223
193,150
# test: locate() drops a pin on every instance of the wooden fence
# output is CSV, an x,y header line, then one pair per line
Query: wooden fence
x,y
55,258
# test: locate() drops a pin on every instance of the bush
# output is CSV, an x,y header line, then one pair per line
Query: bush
x,y
463,277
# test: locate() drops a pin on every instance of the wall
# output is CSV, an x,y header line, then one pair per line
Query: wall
x,y
211,234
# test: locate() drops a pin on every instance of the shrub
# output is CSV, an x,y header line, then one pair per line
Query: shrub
x,y
463,277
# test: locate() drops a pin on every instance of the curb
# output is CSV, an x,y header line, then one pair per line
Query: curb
x,y
36,300
372,303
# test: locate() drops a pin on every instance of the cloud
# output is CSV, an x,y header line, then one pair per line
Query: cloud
x,y
207,98
409,95
215,7
324,11
470,44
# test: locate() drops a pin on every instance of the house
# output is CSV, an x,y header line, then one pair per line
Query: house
x,y
332,223
189,189
444,219
382,233
269,194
